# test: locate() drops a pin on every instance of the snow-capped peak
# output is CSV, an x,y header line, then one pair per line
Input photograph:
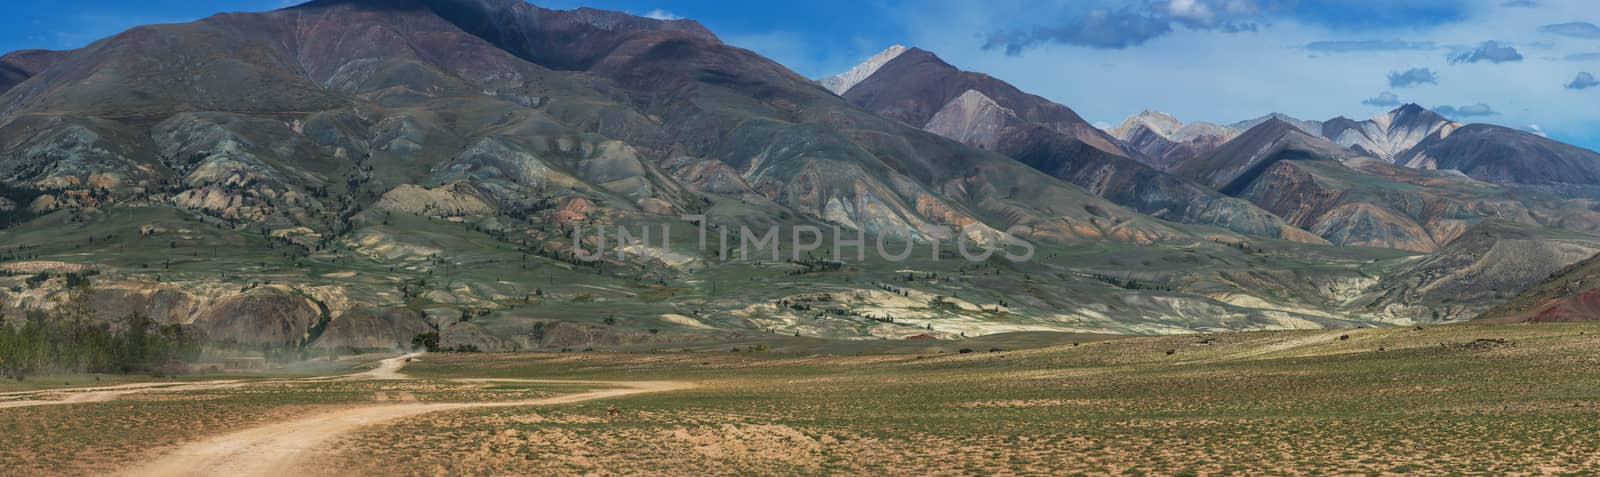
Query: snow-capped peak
x,y
1309,127
841,83
1389,135
1162,124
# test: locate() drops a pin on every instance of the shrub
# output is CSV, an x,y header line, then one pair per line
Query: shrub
x,y
427,341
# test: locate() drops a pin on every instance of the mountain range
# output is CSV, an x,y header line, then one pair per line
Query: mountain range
x,y
1165,141
915,87
350,173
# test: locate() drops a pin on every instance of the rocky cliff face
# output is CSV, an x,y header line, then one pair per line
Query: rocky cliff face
x,y
972,119
370,328
216,312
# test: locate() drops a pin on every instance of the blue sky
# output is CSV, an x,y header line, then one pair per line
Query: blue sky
x,y
1518,63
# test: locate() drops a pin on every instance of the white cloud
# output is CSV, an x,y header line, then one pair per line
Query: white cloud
x,y
1413,77
1466,111
1583,81
660,14
1189,9
1383,100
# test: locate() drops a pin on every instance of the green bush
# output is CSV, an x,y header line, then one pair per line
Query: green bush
x,y
427,342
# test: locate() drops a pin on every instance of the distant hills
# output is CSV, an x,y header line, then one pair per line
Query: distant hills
x,y
919,89
1165,141
1353,200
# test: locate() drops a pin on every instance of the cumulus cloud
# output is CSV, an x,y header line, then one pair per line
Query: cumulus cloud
x,y
1367,46
1103,29
1139,21
1573,29
1348,15
660,14
1134,25
1412,77
1583,81
1225,15
1466,111
1383,100
1490,51
1536,130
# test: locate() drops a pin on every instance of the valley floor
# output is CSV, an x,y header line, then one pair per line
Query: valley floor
x,y
1445,400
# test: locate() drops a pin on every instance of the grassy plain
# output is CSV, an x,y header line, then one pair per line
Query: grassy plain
x,y
1444,400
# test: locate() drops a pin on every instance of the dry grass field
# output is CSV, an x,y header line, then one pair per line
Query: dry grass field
x,y
1445,400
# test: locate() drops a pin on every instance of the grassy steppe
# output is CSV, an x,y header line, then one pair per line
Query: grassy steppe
x,y
1385,401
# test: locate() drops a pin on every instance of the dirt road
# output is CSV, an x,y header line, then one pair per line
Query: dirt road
x,y
285,448
388,369
103,394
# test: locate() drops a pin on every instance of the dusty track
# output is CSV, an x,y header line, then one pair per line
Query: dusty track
x,y
285,448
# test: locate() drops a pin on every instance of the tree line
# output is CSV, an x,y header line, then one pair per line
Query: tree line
x,y
14,204
46,343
